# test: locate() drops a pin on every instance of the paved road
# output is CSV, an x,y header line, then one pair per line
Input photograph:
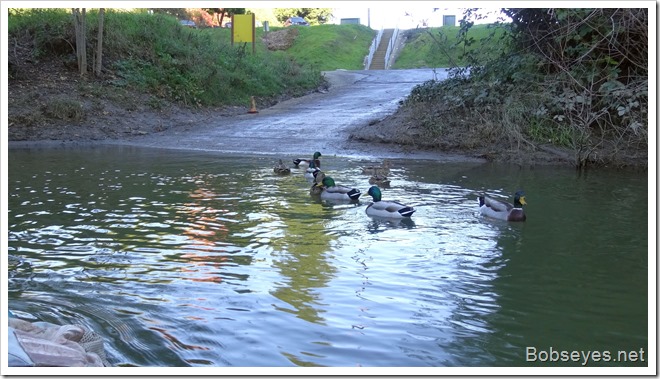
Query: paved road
x,y
317,122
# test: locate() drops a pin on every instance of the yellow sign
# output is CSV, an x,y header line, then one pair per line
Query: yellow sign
x,y
242,28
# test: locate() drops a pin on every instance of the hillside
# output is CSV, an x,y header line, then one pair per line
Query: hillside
x,y
514,105
158,74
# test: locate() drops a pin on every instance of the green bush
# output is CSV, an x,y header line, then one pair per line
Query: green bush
x,y
548,77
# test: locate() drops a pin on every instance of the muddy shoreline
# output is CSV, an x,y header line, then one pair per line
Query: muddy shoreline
x,y
355,115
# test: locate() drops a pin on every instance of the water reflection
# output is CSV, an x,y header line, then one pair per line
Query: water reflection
x,y
292,229
196,259
378,224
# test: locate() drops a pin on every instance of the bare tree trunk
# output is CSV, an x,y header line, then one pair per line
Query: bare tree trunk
x,y
222,16
81,43
99,46
216,15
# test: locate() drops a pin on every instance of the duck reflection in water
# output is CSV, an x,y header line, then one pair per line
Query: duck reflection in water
x,y
379,224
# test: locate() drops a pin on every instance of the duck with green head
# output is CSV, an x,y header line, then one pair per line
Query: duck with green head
x,y
387,209
305,162
331,191
504,210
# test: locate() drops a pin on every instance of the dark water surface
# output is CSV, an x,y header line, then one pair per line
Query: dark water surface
x,y
201,259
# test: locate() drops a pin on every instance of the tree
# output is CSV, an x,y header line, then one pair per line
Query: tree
x,y
315,16
79,15
80,27
99,45
179,13
219,13
588,68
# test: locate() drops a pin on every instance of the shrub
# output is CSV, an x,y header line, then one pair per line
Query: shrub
x,y
63,108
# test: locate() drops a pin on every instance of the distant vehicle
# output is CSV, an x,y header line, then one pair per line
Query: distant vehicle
x,y
295,21
228,25
188,23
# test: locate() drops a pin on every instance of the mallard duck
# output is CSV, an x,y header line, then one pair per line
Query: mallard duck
x,y
503,210
317,186
387,209
379,179
383,169
281,169
305,162
311,171
331,191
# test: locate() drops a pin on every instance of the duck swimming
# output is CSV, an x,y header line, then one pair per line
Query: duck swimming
x,y
379,179
383,169
387,209
331,191
317,186
311,171
305,162
281,169
503,210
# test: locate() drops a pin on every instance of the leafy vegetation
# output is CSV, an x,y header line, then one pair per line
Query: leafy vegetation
x,y
570,78
445,47
314,16
576,78
153,53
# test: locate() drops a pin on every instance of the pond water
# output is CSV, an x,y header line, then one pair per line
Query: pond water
x,y
203,259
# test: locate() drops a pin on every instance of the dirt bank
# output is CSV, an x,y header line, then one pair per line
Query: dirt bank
x,y
403,129
356,115
49,102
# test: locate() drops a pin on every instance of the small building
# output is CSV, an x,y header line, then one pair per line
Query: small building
x,y
345,21
448,20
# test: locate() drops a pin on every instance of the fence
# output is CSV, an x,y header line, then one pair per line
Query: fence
x,y
372,49
390,48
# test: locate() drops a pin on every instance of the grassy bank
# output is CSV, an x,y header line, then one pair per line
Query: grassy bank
x,y
587,100
195,67
442,47
332,47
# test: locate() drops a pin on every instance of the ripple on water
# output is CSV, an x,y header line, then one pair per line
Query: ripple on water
x,y
189,259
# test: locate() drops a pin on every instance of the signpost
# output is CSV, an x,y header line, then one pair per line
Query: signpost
x,y
242,29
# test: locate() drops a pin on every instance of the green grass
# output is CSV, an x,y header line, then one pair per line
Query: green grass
x,y
439,47
329,47
199,67
30,19
154,54
63,108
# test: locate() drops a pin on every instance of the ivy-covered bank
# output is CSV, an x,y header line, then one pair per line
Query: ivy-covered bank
x,y
573,81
